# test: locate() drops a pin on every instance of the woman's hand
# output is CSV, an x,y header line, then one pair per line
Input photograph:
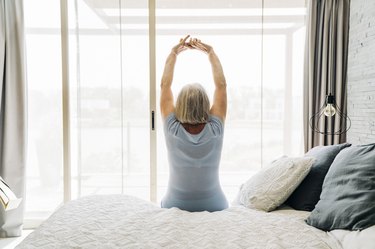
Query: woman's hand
x,y
166,95
197,44
182,46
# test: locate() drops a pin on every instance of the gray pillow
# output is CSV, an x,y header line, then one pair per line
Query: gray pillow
x,y
348,195
308,192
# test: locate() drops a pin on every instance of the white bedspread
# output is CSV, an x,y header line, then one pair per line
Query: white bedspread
x,y
364,239
118,221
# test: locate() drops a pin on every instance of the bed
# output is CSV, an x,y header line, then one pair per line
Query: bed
x,y
120,221
334,184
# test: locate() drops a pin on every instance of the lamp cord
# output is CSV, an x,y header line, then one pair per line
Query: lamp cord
x,y
333,22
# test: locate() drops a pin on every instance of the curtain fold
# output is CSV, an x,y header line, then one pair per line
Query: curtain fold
x,y
12,111
326,54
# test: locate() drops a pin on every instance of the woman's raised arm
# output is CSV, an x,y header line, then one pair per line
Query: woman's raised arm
x,y
219,106
166,96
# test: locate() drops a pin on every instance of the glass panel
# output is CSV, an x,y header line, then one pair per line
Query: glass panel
x,y
233,29
110,98
44,186
264,118
282,79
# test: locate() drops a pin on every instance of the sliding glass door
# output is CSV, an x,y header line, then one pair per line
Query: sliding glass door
x,y
260,44
109,101
282,60
109,80
231,30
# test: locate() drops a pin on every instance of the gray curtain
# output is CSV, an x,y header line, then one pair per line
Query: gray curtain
x,y
325,62
12,111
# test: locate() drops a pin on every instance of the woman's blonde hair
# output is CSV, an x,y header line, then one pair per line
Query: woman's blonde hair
x,y
193,104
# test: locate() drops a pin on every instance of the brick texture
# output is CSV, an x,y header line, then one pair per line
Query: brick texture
x,y
361,72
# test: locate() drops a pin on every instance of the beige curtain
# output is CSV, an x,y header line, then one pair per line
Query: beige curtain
x,y
12,111
325,62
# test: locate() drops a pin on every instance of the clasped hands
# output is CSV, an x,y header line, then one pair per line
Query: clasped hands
x,y
193,43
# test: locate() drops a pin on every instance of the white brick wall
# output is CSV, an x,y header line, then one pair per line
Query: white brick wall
x,y
361,72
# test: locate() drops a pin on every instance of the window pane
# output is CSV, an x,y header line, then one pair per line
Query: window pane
x,y
110,98
282,80
233,29
44,187
263,120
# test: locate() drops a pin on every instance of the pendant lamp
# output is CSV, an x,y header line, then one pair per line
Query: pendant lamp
x,y
328,112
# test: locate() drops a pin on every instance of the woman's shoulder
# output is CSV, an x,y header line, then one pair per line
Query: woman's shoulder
x,y
217,124
170,117
216,119
170,122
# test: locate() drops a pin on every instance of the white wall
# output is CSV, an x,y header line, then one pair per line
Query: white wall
x,y
361,72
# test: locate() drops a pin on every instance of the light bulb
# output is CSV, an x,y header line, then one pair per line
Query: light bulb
x,y
330,110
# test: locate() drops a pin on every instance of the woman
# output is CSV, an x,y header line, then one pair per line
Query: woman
x,y
194,136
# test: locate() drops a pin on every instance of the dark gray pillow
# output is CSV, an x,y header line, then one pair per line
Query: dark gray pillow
x,y
348,195
308,192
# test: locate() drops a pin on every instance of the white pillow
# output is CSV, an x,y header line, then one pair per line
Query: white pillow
x,y
271,186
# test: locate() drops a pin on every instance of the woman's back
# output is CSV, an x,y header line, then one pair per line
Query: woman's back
x,y
194,166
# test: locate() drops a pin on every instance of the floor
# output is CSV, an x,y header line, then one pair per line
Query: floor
x,y
11,243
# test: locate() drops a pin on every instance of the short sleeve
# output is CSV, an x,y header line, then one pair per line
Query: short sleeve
x,y
170,123
217,125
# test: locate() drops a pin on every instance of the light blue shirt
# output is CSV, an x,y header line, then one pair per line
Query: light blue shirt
x,y
194,166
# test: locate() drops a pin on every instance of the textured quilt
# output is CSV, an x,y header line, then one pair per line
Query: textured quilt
x,y
118,221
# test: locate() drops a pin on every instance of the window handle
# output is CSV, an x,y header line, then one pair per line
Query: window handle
x,y
153,120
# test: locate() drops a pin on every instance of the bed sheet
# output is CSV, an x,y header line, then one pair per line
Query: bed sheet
x,y
119,221
364,239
